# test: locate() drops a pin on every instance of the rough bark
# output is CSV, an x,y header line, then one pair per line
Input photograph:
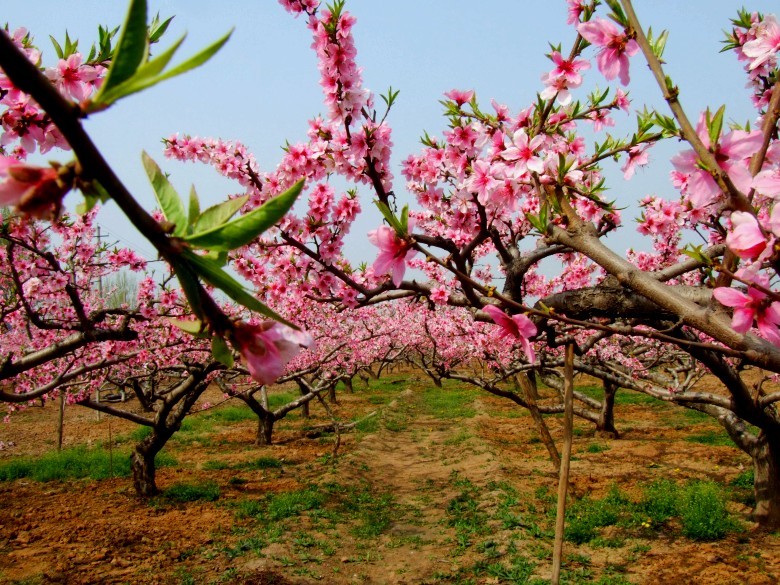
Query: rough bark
x,y
265,429
142,462
605,427
766,467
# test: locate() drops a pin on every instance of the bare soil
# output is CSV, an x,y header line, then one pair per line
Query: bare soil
x,y
385,513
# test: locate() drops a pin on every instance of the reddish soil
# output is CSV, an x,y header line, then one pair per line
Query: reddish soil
x,y
88,531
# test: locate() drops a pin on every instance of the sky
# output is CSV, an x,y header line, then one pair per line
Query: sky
x,y
263,86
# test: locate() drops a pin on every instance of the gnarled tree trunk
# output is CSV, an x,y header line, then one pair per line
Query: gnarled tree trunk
x,y
605,427
766,467
265,428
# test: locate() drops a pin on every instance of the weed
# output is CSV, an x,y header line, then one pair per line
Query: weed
x,y
703,512
261,463
372,511
207,491
744,480
465,514
597,448
711,438
286,505
451,402
585,516
659,502
76,463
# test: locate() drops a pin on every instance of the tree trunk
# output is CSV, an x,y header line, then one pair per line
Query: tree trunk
x,y
265,429
305,413
766,467
142,464
332,394
605,427
348,385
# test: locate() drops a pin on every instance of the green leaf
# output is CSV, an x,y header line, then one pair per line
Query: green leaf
x,y
196,60
166,195
405,218
157,29
390,217
215,276
244,229
196,328
57,48
221,351
188,280
194,209
131,49
715,125
145,76
217,215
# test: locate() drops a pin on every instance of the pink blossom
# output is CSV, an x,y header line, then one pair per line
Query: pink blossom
x,y
72,77
637,155
752,305
267,347
518,327
764,47
612,59
460,97
523,152
745,239
439,295
35,191
564,77
768,183
394,252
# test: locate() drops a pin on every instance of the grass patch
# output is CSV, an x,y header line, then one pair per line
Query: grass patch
x,y
207,491
75,463
287,505
719,438
451,401
230,414
597,448
465,515
372,511
586,516
703,513
659,502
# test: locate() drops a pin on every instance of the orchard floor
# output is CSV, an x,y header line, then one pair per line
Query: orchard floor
x,y
439,486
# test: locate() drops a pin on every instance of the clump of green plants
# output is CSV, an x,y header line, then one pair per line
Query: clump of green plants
x,y
702,509
586,516
286,505
75,463
659,502
465,515
207,491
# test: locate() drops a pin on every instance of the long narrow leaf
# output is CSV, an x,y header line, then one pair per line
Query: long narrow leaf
x,y
166,195
130,50
146,75
247,227
217,215
215,276
198,59
194,208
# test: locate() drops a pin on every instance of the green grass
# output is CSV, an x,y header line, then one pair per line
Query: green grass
x,y
584,517
719,438
659,502
450,402
207,491
75,463
287,505
465,515
702,509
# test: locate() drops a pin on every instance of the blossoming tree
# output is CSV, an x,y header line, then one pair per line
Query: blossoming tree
x,y
502,192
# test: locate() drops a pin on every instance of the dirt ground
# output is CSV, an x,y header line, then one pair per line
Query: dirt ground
x,y
384,506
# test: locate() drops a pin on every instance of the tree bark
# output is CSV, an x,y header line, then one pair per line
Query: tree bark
x,y
265,429
605,427
766,467
142,463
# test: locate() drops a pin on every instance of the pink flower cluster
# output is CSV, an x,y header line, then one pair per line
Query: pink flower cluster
x,y
25,127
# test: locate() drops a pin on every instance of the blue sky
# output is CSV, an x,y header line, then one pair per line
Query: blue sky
x,y
263,86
